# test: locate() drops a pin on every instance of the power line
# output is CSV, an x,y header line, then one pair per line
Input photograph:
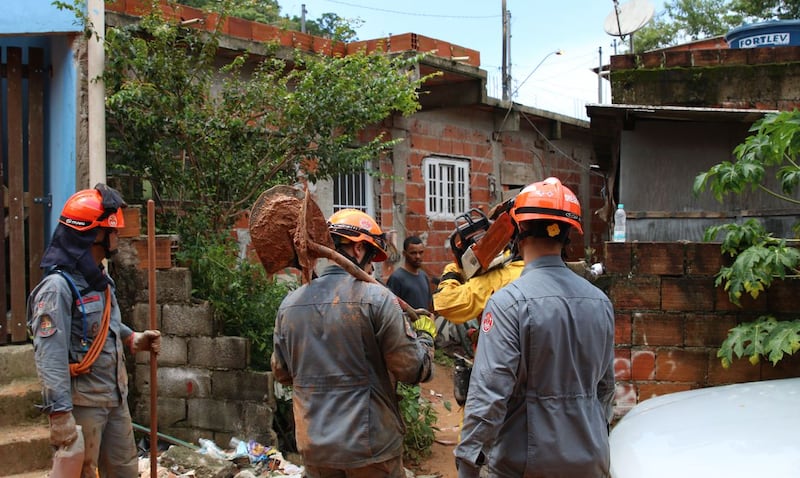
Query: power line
x,y
413,14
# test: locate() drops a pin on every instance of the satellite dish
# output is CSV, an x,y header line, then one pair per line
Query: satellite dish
x,y
628,17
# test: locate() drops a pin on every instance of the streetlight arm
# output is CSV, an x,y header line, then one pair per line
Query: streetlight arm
x,y
556,52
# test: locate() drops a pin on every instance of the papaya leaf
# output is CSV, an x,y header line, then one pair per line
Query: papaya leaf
x,y
784,339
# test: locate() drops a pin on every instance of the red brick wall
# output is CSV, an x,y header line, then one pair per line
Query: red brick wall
x,y
260,32
469,135
671,319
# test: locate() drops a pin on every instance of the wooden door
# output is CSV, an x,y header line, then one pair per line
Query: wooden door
x,y
22,171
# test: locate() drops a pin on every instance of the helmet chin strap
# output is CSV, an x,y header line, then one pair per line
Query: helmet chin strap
x,y
369,254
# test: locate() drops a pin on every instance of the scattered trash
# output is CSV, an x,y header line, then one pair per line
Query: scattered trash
x,y
243,459
208,447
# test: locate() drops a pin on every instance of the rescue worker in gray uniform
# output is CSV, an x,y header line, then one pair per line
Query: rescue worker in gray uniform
x,y
342,344
79,339
542,386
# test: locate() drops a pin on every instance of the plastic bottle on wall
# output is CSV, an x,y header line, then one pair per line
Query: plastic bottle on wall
x,y
620,219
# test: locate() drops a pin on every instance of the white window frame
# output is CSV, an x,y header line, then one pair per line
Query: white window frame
x,y
359,186
446,187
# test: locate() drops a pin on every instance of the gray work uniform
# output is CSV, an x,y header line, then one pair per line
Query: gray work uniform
x,y
542,387
97,399
342,344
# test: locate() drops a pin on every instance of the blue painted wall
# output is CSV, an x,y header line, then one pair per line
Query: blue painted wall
x,y
36,16
61,147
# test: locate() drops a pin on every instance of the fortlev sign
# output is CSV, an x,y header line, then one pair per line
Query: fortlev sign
x,y
770,39
768,34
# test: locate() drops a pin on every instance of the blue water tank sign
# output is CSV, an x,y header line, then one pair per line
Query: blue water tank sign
x,y
767,34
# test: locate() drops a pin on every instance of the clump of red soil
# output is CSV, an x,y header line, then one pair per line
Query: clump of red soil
x,y
282,222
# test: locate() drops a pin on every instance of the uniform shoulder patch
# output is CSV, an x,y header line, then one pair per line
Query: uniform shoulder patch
x,y
46,328
487,323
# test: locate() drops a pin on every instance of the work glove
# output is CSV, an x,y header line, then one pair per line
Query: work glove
x,y
423,311
452,272
425,324
147,340
63,430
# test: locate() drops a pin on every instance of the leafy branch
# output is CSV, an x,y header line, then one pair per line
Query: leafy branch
x,y
766,336
210,138
759,257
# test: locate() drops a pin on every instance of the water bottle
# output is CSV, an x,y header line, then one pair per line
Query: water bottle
x,y
619,224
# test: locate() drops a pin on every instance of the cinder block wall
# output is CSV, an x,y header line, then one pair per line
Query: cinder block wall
x,y
205,389
760,78
671,320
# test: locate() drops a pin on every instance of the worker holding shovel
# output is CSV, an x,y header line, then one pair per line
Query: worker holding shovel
x,y
80,341
342,343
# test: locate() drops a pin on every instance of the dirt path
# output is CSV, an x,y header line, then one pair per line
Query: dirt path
x,y
438,391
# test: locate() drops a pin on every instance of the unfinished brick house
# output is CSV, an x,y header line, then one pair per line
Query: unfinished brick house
x,y
462,150
675,113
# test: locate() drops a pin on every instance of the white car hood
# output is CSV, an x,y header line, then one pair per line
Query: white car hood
x,y
741,430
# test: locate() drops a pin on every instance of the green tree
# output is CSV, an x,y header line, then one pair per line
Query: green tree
x,y
756,10
263,11
212,138
758,257
683,21
331,25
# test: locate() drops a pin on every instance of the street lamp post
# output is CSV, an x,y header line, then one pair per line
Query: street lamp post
x,y
555,52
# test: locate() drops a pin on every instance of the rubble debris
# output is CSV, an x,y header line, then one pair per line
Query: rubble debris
x,y
245,460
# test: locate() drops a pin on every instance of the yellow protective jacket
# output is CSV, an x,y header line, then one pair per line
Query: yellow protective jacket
x,y
459,302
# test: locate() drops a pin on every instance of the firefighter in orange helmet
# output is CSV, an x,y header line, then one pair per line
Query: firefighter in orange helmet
x,y
542,385
342,344
79,338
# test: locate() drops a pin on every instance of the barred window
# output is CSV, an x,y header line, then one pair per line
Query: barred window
x,y
354,191
446,187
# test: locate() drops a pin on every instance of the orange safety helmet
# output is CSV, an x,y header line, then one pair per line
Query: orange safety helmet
x,y
358,226
84,211
547,200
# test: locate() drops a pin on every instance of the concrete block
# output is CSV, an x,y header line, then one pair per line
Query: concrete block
x,y
172,285
177,382
257,420
217,415
240,385
187,319
141,316
170,411
256,424
174,352
219,352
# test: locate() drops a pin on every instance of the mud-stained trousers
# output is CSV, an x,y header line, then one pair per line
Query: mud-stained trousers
x,y
387,469
109,442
